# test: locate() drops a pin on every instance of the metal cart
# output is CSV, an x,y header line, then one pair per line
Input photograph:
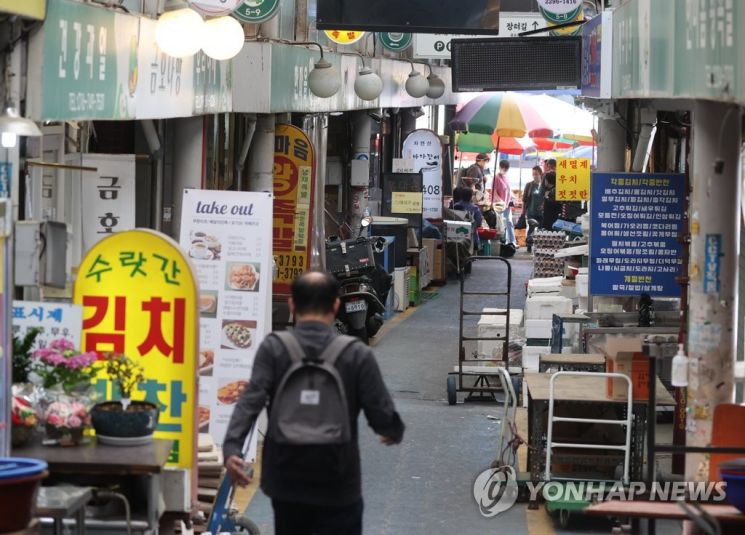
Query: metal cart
x,y
483,387
567,502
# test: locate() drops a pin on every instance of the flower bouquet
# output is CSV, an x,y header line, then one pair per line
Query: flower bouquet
x,y
23,418
66,419
66,375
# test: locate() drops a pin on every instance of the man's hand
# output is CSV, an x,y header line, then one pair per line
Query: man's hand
x,y
236,468
388,441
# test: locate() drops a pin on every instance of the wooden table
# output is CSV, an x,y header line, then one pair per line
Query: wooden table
x,y
111,462
731,519
583,388
98,459
585,362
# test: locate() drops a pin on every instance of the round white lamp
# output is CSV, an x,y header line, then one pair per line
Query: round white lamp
x,y
223,38
436,86
13,126
368,85
416,85
179,33
323,80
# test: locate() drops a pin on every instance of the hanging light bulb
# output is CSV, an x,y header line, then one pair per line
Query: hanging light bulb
x,y
223,38
416,84
179,33
8,140
368,85
436,86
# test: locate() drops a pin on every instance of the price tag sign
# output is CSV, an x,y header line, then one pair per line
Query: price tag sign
x,y
406,202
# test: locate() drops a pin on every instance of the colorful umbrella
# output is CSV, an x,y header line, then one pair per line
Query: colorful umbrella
x,y
505,114
469,142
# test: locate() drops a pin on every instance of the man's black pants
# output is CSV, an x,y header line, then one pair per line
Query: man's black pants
x,y
303,519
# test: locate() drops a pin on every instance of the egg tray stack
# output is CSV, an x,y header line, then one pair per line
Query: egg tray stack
x,y
210,470
545,244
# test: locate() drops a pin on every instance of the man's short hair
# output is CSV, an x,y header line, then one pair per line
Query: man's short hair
x,y
551,163
538,168
466,195
504,164
482,157
458,194
314,292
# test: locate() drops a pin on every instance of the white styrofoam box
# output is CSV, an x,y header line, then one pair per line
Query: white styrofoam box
x,y
493,326
569,290
458,230
538,328
525,393
548,285
582,284
532,356
401,288
543,307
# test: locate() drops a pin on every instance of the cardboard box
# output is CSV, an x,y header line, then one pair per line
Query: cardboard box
x,y
543,307
634,365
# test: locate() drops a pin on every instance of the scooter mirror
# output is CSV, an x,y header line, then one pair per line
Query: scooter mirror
x,y
365,222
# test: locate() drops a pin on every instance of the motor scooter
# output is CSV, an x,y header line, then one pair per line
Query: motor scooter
x,y
364,285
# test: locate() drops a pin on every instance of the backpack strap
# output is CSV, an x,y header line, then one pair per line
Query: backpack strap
x,y
294,349
335,349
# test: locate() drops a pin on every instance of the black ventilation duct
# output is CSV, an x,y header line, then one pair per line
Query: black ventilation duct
x,y
516,63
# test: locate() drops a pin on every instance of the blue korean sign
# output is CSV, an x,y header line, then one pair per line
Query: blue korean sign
x,y
636,221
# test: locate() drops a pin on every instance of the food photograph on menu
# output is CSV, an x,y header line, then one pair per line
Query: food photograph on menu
x,y
229,392
237,334
242,277
204,246
208,304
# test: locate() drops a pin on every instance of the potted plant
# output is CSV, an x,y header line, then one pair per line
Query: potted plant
x,y
125,421
22,359
23,419
65,374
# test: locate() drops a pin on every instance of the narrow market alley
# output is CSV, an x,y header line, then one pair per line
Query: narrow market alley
x,y
425,485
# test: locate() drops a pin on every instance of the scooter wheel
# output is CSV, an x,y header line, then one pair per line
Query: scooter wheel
x,y
246,526
452,392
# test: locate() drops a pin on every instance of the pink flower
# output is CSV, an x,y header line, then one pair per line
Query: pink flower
x,y
78,409
54,419
61,345
75,422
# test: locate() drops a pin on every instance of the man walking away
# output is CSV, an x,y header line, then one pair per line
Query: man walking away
x,y
311,469
551,208
533,204
473,176
504,192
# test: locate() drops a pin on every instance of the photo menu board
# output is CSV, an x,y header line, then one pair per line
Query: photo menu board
x,y
228,236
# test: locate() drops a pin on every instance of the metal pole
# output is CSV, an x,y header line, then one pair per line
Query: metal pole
x,y
361,131
261,155
715,243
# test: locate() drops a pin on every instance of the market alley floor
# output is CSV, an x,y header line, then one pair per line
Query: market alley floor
x,y
425,485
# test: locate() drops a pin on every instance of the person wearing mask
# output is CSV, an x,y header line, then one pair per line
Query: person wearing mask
x,y
504,192
533,203
473,176
551,208
466,205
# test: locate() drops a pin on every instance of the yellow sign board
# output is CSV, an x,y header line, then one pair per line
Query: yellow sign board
x,y
139,298
344,37
294,183
406,202
34,9
573,179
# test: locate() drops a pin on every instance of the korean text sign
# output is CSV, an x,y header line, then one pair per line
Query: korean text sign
x,y
424,148
56,320
636,221
572,179
294,184
139,297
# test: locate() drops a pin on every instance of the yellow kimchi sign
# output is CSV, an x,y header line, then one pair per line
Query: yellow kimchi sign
x,y
139,298
343,37
294,183
573,179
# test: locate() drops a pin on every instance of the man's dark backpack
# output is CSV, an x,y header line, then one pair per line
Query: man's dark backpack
x,y
310,404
